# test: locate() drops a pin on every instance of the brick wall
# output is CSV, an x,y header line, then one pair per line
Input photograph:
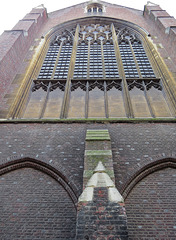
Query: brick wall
x,y
34,206
163,27
59,146
14,45
135,146
151,207
112,11
62,146
101,219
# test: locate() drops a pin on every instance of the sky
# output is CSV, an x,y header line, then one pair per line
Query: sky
x,y
12,11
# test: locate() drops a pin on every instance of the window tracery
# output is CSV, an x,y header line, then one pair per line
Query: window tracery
x,y
114,84
96,86
153,83
57,60
131,49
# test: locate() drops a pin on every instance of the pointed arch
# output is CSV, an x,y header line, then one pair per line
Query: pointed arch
x,y
145,171
45,168
70,31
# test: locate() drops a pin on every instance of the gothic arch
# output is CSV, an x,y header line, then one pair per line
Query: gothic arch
x,y
147,170
70,29
43,167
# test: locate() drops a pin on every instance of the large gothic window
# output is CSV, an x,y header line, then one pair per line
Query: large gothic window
x,y
97,71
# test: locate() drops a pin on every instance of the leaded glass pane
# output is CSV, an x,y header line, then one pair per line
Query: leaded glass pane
x,y
142,60
110,62
64,62
95,68
81,61
128,61
49,62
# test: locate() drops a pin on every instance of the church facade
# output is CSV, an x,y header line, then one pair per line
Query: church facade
x,y
87,123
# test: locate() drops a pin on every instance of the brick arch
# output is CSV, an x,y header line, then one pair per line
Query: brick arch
x,y
145,171
43,167
34,206
150,206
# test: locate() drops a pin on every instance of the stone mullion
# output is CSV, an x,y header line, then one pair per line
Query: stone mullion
x,y
135,60
65,103
106,100
87,100
148,100
102,57
57,59
88,61
104,76
140,76
45,102
127,100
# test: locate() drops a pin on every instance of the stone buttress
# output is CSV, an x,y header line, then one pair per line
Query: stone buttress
x,y
101,211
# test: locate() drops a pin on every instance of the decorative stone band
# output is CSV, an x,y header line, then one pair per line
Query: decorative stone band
x,y
100,179
97,135
98,152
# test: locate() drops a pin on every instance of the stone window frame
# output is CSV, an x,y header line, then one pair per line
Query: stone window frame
x,y
161,72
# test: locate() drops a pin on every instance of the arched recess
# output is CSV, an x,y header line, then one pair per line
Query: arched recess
x,y
45,168
35,205
145,171
150,202
72,28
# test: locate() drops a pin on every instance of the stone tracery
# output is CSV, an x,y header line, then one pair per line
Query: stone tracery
x,y
97,61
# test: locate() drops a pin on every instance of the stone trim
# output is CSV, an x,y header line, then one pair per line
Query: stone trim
x,y
100,179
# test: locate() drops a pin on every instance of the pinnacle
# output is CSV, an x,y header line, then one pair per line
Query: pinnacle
x,y
100,168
